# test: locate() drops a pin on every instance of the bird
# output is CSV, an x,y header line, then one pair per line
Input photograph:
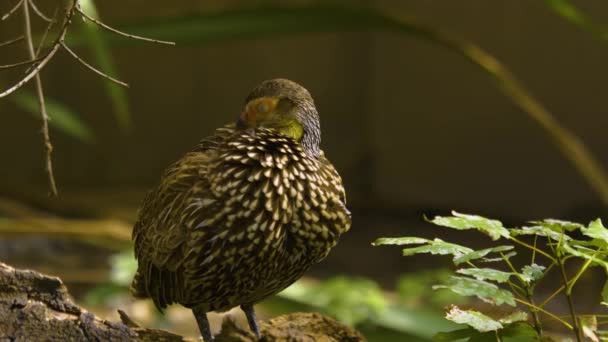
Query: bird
x,y
245,213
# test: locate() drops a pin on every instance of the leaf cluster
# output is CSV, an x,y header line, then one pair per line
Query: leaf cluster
x,y
491,276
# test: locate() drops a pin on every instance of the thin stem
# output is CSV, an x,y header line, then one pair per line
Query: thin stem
x,y
90,67
111,29
12,41
539,251
41,103
12,10
548,313
8,66
570,303
558,291
579,274
533,261
38,12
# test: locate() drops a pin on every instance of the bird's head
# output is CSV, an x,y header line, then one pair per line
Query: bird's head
x,y
285,106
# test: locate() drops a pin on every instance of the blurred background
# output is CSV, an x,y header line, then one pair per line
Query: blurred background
x,y
414,127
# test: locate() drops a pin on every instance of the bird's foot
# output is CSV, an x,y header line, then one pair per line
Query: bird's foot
x,y
251,319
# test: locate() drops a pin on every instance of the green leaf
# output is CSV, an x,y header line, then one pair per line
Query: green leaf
x,y
124,267
455,335
605,292
559,226
350,300
596,230
104,61
519,331
532,273
540,231
486,274
474,319
488,292
438,246
400,241
586,253
493,228
61,117
569,12
516,316
480,254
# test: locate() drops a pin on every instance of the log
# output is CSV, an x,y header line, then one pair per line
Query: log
x,y
37,307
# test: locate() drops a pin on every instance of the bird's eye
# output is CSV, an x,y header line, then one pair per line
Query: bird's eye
x,y
262,107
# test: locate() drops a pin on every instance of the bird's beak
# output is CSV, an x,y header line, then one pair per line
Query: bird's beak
x,y
246,120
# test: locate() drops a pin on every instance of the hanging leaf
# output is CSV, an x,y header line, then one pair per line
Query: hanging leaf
x,y
488,292
486,274
532,273
61,117
474,319
480,254
438,246
493,228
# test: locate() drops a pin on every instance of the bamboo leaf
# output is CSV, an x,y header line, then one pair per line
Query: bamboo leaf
x,y
272,22
399,241
61,117
569,12
96,41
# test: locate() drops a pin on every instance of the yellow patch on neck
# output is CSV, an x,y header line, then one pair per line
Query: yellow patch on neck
x,y
292,129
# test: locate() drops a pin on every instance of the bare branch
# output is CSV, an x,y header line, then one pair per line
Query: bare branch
x,y
12,41
111,29
38,12
48,56
90,67
4,17
8,66
41,103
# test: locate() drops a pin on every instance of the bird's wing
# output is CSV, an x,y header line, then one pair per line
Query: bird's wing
x,y
169,211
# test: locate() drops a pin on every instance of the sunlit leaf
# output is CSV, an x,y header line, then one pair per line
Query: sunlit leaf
x,y
104,61
480,254
516,316
400,241
61,117
124,267
455,335
565,9
532,273
501,258
486,274
350,300
540,231
438,246
493,228
488,292
474,319
596,230
586,253
589,327
559,225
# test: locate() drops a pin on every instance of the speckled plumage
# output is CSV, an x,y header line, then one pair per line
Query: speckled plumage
x,y
237,219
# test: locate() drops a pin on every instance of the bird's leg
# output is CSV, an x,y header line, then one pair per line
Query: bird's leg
x,y
253,323
203,324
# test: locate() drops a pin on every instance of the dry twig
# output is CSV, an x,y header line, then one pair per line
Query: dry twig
x,y
8,66
90,67
12,10
128,35
12,41
38,12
